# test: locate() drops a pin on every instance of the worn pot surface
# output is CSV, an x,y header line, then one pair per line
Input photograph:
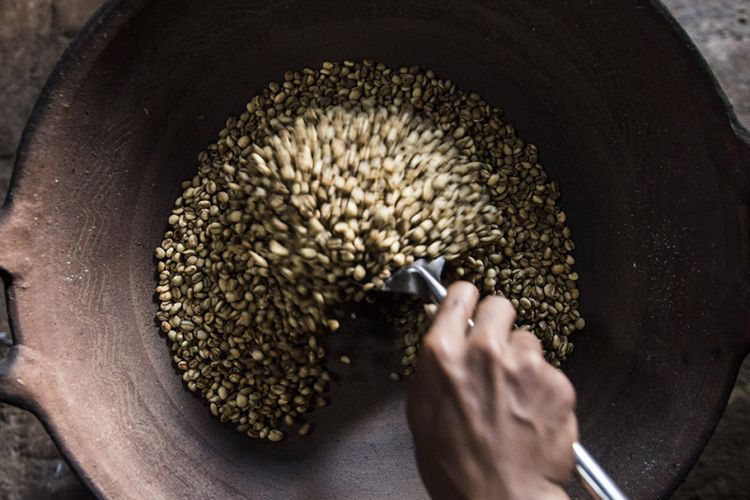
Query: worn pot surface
x,y
627,117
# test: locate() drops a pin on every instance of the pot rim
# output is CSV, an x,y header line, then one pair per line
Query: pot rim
x,y
72,68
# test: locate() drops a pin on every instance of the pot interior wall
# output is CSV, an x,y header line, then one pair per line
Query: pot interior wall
x,y
621,125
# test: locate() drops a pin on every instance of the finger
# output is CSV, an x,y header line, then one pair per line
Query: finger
x,y
524,340
562,389
452,318
495,316
554,393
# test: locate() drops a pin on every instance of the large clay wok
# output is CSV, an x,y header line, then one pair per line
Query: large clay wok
x,y
653,172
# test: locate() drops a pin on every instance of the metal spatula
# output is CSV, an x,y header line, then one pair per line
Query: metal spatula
x,y
422,279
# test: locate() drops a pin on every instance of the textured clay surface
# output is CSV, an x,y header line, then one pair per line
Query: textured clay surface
x,y
33,34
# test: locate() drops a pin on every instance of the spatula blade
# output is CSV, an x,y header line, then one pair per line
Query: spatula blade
x,y
410,279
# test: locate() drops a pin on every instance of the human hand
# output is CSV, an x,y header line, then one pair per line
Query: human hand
x,y
490,418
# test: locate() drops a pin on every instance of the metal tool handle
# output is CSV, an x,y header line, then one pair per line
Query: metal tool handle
x,y
592,477
436,288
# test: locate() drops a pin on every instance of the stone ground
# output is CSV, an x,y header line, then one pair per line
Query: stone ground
x,y
33,34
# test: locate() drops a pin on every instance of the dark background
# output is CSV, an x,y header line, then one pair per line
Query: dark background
x,y
33,34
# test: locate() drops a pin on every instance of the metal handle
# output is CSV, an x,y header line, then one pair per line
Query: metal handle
x,y
436,288
593,478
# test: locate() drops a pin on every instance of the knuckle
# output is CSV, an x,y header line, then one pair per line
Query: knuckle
x,y
435,349
531,362
565,391
484,344
527,335
457,304
502,305
454,305
529,340
560,388
462,288
529,365
462,292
